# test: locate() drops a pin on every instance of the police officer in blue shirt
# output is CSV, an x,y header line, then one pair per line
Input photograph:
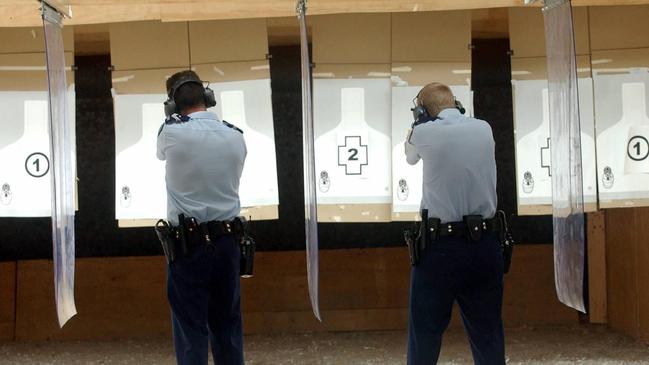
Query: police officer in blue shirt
x,y
462,256
204,160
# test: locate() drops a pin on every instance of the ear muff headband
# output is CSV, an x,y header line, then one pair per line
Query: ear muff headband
x,y
170,103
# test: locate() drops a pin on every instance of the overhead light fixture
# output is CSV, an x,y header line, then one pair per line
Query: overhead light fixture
x,y
260,68
324,75
378,74
601,61
402,69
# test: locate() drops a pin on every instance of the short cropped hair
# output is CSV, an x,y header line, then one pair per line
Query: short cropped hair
x,y
189,95
436,97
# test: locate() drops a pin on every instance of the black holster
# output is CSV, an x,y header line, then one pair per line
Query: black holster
x,y
506,242
417,238
413,239
167,239
247,246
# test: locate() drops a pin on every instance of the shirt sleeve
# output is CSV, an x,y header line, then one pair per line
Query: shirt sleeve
x,y
412,156
162,145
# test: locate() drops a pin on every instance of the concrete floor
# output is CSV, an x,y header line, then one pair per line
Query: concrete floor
x,y
543,345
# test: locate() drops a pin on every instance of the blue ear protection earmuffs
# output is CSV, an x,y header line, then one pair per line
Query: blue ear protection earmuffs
x,y
170,103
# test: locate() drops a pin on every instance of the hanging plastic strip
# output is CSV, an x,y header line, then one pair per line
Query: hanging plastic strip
x,y
63,152
310,199
565,139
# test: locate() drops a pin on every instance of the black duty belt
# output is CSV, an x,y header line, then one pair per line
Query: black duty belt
x,y
206,232
471,226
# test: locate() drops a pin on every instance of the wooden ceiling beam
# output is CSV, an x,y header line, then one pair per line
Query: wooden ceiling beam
x,y
16,13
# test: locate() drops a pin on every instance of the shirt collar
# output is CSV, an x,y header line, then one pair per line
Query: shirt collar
x,y
448,112
203,115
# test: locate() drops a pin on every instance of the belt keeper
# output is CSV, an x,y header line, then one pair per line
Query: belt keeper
x,y
206,233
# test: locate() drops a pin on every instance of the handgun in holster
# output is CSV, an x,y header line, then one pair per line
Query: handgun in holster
x,y
506,242
412,238
166,236
247,246
417,238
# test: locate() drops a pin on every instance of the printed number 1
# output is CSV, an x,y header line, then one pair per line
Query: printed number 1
x,y
354,153
637,148
37,164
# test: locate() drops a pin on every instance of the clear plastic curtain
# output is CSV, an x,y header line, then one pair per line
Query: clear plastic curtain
x,y
565,137
63,174
310,199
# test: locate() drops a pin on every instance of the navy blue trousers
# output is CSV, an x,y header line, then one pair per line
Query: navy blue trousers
x,y
204,295
471,273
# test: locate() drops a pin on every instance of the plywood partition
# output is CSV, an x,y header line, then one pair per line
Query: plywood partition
x,y
149,45
619,27
597,270
351,38
642,250
30,40
527,32
624,264
361,289
22,58
228,41
442,36
7,300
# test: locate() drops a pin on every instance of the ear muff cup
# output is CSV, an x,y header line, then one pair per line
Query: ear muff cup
x,y
418,112
170,107
210,99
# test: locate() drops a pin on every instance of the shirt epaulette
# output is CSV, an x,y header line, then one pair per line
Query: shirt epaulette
x,y
230,125
177,119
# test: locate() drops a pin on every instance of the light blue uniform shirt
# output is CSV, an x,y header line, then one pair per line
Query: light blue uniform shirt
x,y
458,154
204,160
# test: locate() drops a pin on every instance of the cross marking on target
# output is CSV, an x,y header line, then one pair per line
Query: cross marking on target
x,y
353,155
545,157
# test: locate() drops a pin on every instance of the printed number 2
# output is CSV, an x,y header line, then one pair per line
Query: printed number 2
x,y
353,153
37,163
